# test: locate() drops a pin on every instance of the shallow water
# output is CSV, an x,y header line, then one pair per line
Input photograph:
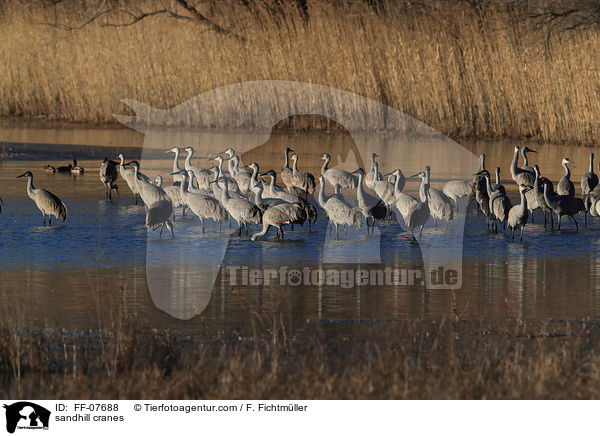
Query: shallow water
x,y
100,265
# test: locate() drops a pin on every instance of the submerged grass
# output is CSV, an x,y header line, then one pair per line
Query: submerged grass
x,y
463,69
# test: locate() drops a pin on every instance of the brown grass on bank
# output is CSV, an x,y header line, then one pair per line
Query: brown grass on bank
x,y
401,360
464,71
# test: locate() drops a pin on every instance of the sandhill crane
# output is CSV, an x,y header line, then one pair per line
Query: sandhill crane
x,y
279,215
373,173
48,203
480,189
231,183
77,169
128,176
565,186
404,202
524,152
173,194
242,176
158,214
385,190
517,216
338,211
264,203
563,205
240,209
371,207
177,177
286,172
149,192
418,213
457,189
521,176
202,175
535,197
498,186
336,175
440,206
108,175
203,206
500,204
302,179
190,186
589,180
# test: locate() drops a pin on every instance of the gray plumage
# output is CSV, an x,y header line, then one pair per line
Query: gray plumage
x,y
371,207
338,211
565,186
286,171
373,173
240,209
302,179
440,206
48,203
108,176
418,213
563,205
279,215
589,180
521,176
158,215
337,176
518,215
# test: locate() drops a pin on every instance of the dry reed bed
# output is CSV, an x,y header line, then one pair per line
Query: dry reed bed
x,y
464,72
450,359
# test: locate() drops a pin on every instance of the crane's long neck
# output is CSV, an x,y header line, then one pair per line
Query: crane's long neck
x,y
182,185
287,160
536,182
231,165
226,195
254,177
567,170
122,159
591,162
272,184
188,159
322,193
258,198
159,181
489,186
30,186
220,167
337,189
423,191
497,175
525,160
482,164
360,192
523,202
176,162
294,166
397,185
513,164
324,167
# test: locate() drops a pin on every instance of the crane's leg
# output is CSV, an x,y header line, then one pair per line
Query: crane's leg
x,y
504,230
281,230
220,227
559,218
522,233
531,217
246,227
575,221
49,220
161,229
136,198
202,220
585,219
435,221
345,231
170,227
513,233
421,231
239,229
336,230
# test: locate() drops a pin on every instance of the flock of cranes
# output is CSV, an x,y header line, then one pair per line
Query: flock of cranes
x,y
247,196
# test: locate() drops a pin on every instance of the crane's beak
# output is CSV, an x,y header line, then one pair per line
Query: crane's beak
x,y
22,175
532,151
414,176
168,151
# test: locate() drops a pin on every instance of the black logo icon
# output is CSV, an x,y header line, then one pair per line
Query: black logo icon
x,y
26,415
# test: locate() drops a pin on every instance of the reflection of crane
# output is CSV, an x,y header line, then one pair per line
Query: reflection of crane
x,y
108,175
565,186
338,211
48,203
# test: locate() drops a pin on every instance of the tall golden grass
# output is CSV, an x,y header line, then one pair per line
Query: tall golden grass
x,y
464,71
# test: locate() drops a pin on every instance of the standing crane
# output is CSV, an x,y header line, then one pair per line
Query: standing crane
x,y
177,178
302,179
371,207
565,185
202,175
563,205
500,204
338,211
479,187
418,213
521,176
108,175
48,203
589,180
524,152
286,172
373,173
457,189
128,176
440,206
279,215
337,176
517,216
240,209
